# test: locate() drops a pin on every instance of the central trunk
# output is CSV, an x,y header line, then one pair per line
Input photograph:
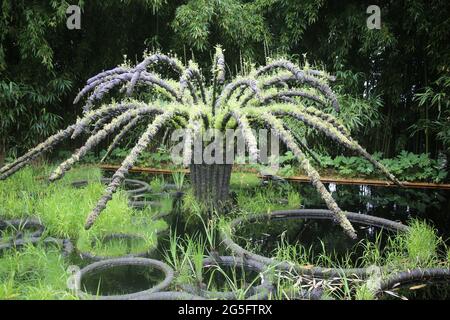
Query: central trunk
x,y
211,183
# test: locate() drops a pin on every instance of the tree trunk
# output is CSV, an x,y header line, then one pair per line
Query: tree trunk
x,y
211,183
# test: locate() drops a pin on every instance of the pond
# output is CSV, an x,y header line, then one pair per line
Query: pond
x,y
387,202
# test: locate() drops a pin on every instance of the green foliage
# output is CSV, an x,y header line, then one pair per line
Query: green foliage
x,y
379,72
242,180
406,166
422,243
239,22
436,98
268,198
35,273
41,272
30,86
63,208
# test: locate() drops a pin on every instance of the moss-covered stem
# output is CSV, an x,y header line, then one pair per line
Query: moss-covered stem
x,y
218,72
247,133
126,165
119,137
53,140
278,129
174,63
100,136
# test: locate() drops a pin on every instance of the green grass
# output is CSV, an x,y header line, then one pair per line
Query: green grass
x,y
34,273
39,273
242,180
268,198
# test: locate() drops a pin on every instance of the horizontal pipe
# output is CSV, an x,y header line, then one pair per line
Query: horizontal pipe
x,y
301,179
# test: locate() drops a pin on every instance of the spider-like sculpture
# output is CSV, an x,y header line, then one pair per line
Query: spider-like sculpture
x,y
278,91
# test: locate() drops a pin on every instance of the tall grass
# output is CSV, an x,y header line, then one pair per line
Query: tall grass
x,y
34,273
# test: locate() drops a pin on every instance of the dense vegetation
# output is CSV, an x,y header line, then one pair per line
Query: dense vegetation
x,y
393,83
42,272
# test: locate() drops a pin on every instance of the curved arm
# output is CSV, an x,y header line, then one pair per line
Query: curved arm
x,y
303,147
174,63
332,132
293,93
99,136
186,81
193,129
302,77
53,140
249,137
108,85
218,72
281,64
98,79
127,164
233,86
119,137
277,127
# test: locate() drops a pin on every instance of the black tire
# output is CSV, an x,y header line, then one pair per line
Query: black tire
x,y
27,223
92,257
140,205
307,214
170,295
262,290
106,264
142,187
403,278
65,244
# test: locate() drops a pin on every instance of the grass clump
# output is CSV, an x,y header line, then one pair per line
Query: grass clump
x,y
34,273
422,243
243,180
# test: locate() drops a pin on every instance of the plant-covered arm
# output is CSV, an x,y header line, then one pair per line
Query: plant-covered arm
x,y
100,136
302,77
186,80
303,147
332,132
193,129
128,163
277,127
133,123
292,93
247,133
53,140
284,64
218,72
172,62
233,86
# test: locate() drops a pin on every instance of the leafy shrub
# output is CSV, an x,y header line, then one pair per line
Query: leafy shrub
x,y
406,166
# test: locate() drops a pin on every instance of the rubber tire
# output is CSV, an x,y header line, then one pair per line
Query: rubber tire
x,y
105,264
66,244
144,187
26,223
232,261
89,256
307,214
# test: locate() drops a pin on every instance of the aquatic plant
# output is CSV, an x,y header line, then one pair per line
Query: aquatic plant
x,y
270,95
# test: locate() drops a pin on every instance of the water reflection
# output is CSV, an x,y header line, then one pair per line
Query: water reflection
x,y
399,204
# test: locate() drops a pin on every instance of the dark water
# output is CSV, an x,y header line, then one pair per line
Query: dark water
x,y
316,236
398,204
121,280
391,203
